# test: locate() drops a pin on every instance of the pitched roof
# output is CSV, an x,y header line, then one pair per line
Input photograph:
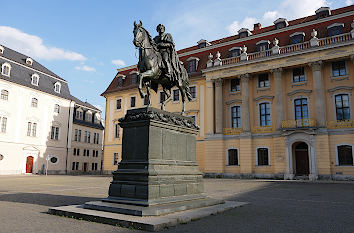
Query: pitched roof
x,y
85,104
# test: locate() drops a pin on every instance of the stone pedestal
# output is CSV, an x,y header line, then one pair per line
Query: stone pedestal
x,y
158,173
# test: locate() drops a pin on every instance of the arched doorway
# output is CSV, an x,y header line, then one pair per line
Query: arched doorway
x,y
301,157
29,164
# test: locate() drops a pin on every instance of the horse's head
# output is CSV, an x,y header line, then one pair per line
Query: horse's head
x,y
139,32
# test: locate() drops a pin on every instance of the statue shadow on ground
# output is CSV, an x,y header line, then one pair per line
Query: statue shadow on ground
x,y
44,199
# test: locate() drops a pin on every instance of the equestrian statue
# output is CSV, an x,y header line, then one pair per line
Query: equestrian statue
x,y
159,64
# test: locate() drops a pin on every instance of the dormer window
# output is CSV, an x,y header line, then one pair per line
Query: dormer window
x,y
335,29
192,64
323,12
244,32
234,52
263,45
29,61
1,49
297,37
97,118
120,80
203,43
6,69
57,87
133,78
88,116
78,114
35,79
280,23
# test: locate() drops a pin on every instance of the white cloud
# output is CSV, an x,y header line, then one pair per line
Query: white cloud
x,y
246,23
85,68
33,46
348,2
289,9
118,62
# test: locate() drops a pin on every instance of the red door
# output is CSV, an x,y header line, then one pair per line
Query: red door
x,y
29,164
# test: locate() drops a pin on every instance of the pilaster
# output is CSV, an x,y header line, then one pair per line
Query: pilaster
x,y
209,106
245,111
277,73
218,106
319,93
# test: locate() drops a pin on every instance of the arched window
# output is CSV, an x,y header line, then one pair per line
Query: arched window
x,y
4,95
57,87
35,79
34,103
78,114
6,69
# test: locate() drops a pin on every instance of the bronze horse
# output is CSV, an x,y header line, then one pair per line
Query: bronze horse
x,y
151,71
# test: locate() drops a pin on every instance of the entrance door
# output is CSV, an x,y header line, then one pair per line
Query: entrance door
x,y
302,159
29,164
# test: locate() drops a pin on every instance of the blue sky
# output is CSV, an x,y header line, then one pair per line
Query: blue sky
x,y
85,42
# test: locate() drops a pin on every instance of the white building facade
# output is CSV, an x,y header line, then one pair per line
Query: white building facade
x,y
35,112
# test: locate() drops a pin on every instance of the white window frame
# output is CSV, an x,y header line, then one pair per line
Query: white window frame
x,y
130,102
230,112
179,96
31,129
88,116
121,104
308,105
259,114
334,103
57,87
34,102
77,116
33,79
1,124
227,156
2,69
196,63
336,151
269,154
196,92
8,93
57,108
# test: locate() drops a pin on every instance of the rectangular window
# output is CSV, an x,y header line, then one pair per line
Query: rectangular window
x,y
162,97
34,103
116,130
176,95
192,66
232,156
56,108
132,101
264,114
342,107
299,75
337,30
84,152
76,135
262,157
133,78
73,166
115,158
297,39
77,166
236,117
29,127
235,85
87,153
263,80
77,151
301,109
79,137
345,155
338,69
88,137
54,133
97,138
193,91
74,151
193,119
119,104
4,95
85,136
3,124
234,53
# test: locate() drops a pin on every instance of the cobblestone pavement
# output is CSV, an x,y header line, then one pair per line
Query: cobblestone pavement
x,y
275,206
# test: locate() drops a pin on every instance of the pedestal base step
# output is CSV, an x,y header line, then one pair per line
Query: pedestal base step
x,y
151,223
154,210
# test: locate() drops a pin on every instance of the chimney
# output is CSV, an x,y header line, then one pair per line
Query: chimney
x,y
257,27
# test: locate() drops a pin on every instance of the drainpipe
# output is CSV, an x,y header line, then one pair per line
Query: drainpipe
x,y
67,140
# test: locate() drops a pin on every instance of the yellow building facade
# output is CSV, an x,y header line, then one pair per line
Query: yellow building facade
x,y
276,102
